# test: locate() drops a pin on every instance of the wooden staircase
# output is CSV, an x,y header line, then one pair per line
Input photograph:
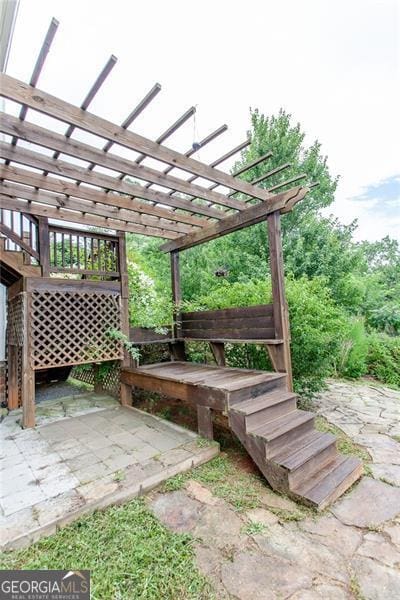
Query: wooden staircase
x,y
13,265
294,457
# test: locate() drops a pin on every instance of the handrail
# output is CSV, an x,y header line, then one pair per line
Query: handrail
x,y
78,251
20,232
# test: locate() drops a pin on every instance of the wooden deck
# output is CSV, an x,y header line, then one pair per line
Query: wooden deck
x,y
206,385
294,457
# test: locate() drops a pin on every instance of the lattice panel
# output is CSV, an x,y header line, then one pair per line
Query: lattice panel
x,y
15,320
110,382
19,375
70,328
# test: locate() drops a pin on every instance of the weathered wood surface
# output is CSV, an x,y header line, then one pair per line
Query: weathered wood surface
x,y
62,214
51,284
146,335
92,208
206,385
20,92
281,354
253,322
83,192
54,141
252,215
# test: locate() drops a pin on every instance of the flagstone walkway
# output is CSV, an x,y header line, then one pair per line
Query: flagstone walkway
x,y
351,551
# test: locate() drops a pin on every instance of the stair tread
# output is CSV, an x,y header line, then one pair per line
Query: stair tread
x,y
273,429
306,449
252,405
318,489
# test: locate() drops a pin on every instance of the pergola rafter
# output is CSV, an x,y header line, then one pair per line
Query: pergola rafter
x,y
52,186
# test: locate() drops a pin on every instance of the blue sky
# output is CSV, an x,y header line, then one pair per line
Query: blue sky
x,y
334,65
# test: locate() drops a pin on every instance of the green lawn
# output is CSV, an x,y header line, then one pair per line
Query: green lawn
x,y
130,555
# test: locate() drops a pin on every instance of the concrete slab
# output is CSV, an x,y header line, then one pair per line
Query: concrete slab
x,y
84,455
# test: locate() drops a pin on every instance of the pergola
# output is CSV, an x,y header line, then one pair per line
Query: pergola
x,y
186,211
61,322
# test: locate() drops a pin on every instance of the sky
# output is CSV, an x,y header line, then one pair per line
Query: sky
x,y
334,65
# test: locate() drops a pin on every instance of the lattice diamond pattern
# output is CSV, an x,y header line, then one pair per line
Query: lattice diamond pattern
x,y
68,328
15,321
110,382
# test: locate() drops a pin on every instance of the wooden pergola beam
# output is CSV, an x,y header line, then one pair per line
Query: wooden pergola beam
x,y
60,186
70,171
92,208
100,79
54,141
20,92
139,108
62,214
252,215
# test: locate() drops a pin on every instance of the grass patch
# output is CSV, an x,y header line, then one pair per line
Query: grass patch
x,y
396,438
345,444
130,555
255,528
225,480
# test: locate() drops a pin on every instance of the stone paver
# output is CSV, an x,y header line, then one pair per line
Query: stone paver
x,y
274,551
348,552
85,453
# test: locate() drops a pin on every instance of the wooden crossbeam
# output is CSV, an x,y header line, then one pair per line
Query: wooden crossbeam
x,y
252,215
62,214
52,184
139,108
104,73
54,141
93,208
20,92
65,169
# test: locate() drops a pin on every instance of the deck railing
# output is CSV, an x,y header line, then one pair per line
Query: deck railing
x,y
20,234
82,252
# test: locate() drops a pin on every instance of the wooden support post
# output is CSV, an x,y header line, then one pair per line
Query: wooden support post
x,y
204,422
28,374
218,350
127,361
44,245
12,362
177,348
280,356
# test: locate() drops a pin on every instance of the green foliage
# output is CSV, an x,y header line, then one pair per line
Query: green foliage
x,y
119,336
130,555
353,362
384,358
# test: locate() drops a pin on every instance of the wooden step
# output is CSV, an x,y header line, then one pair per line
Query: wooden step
x,y
330,482
267,407
311,455
253,386
281,431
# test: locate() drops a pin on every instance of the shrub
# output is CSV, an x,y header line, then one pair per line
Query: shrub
x,y
384,358
354,350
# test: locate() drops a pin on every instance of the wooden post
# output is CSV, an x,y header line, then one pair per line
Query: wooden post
x,y
218,350
28,374
44,245
177,348
279,354
204,422
12,363
126,390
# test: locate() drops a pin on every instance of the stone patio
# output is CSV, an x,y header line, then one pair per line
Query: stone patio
x,y
87,452
351,551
